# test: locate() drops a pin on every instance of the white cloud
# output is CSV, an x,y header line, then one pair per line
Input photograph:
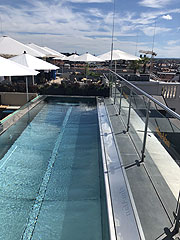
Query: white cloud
x,y
155,14
167,17
57,20
65,27
149,31
173,42
154,3
95,12
148,18
81,44
168,51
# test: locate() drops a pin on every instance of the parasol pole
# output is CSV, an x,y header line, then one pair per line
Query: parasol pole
x,y
27,95
33,79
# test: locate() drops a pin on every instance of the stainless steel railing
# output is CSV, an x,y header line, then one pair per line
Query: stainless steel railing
x,y
123,90
174,114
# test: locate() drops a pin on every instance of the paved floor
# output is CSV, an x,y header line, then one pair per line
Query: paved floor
x,y
155,183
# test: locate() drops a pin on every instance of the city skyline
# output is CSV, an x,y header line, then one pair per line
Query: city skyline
x,y
76,25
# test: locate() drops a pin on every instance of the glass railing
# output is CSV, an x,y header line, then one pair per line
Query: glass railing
x,y
13,117
11,129
155,131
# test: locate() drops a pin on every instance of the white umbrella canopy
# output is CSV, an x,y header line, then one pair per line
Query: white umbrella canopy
x,y
10,68
60,57
39,49
87,57
118,55
45,50
53,52
9,46
33,62
72,57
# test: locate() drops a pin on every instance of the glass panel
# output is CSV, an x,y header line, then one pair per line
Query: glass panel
x,y
167,130
137,120
12,133
125,101
163,155
112,85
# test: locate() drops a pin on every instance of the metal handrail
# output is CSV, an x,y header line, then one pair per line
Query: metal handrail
x,y
174,114
123,82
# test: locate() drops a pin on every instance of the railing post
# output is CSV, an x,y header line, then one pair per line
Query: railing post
x,y
145,131
177,224
120,100
111,84
129,113
27,91
115,91
177,217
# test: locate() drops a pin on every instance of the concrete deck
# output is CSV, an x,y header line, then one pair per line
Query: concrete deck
x,y
155,183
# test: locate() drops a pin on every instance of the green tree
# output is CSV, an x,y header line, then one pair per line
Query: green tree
x,y
144,61
135,65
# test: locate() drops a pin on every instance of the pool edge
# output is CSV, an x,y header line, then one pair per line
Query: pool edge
x,y
111,208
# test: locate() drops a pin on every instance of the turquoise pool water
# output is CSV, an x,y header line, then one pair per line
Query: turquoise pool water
x,y
51,186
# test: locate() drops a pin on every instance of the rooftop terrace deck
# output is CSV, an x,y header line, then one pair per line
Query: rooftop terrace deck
x,y
154,182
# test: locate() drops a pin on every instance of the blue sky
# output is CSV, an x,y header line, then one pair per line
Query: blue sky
x,y
77,25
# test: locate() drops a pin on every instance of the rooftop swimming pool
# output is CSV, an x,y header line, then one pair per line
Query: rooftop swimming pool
x,y
51,180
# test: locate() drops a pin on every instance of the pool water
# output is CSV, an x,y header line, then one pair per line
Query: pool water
x,y
51,185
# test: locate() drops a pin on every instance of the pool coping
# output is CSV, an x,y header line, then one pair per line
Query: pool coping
x,y
122,212
70,96
111,221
